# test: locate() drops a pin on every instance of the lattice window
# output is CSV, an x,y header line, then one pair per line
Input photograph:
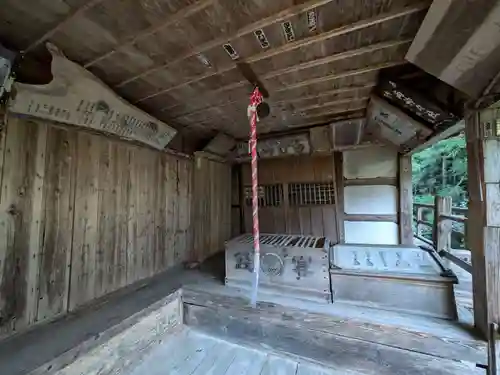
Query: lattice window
x,y
269,195
313,193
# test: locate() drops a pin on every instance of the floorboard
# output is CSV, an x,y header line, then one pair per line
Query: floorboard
x,y
194,353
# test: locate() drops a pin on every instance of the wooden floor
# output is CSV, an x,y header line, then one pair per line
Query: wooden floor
x,y
192,353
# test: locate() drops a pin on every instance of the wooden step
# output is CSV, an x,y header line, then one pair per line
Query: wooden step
x,y
336,342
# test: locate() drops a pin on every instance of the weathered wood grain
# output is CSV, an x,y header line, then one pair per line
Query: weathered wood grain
x,y
313,219
21,162
55,255
483,225
82,216
211,206
384,334
337,351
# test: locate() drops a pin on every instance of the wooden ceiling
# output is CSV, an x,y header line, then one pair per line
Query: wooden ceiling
x,y
168,56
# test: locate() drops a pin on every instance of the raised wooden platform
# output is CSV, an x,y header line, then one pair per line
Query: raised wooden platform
x,y
341,338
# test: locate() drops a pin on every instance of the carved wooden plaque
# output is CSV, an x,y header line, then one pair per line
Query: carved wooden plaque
x,y
76,97
289,145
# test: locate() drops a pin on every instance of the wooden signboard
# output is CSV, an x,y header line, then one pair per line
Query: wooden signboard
x,y
76,97
288,145
388,123
415,103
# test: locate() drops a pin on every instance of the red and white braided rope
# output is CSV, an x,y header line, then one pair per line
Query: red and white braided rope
x,y
255,99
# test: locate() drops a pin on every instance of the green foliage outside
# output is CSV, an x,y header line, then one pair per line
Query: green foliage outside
x,y
441,170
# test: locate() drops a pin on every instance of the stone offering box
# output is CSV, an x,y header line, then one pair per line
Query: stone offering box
x,y
403,278
290,265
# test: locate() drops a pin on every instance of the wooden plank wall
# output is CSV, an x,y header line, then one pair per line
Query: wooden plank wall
x,y
81,216
211,205
316,220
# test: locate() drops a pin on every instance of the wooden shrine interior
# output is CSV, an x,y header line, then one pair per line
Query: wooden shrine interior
x,y
355,87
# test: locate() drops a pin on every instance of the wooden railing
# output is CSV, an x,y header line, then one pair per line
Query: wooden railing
x,y
436,223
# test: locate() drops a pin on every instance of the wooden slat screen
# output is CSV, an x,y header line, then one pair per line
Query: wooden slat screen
x,y
313,193
269,195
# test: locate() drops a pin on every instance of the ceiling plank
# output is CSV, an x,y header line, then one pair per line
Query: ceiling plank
x,y
299,43
330,77
327,113
280,16
291,100
340,90
348,73
66,20
328,104
298,67
129,40
337,57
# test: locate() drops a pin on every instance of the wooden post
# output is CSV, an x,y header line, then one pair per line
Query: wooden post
x,y
483,225
420,217
338,167
441,233
405,201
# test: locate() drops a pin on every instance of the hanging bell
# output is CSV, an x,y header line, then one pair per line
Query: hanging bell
x,y
263,110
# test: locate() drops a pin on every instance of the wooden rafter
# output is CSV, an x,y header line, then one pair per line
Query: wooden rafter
x,y
340,90
67,19
306,65
332,103
290,100
129,40
338,116
280,16
299,43
337,57
348,73
330,112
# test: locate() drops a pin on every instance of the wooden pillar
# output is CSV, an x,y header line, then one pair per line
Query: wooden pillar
x,y
405,201
483,229
338,167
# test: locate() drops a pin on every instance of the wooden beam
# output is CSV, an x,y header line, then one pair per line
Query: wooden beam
x,y
334,102
338,172
366,217
348,73
405,201
260,24
129,40
483,224
67,19
276,73
338,56
327,93
371,181
293,45
292,100
310,124
326,113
